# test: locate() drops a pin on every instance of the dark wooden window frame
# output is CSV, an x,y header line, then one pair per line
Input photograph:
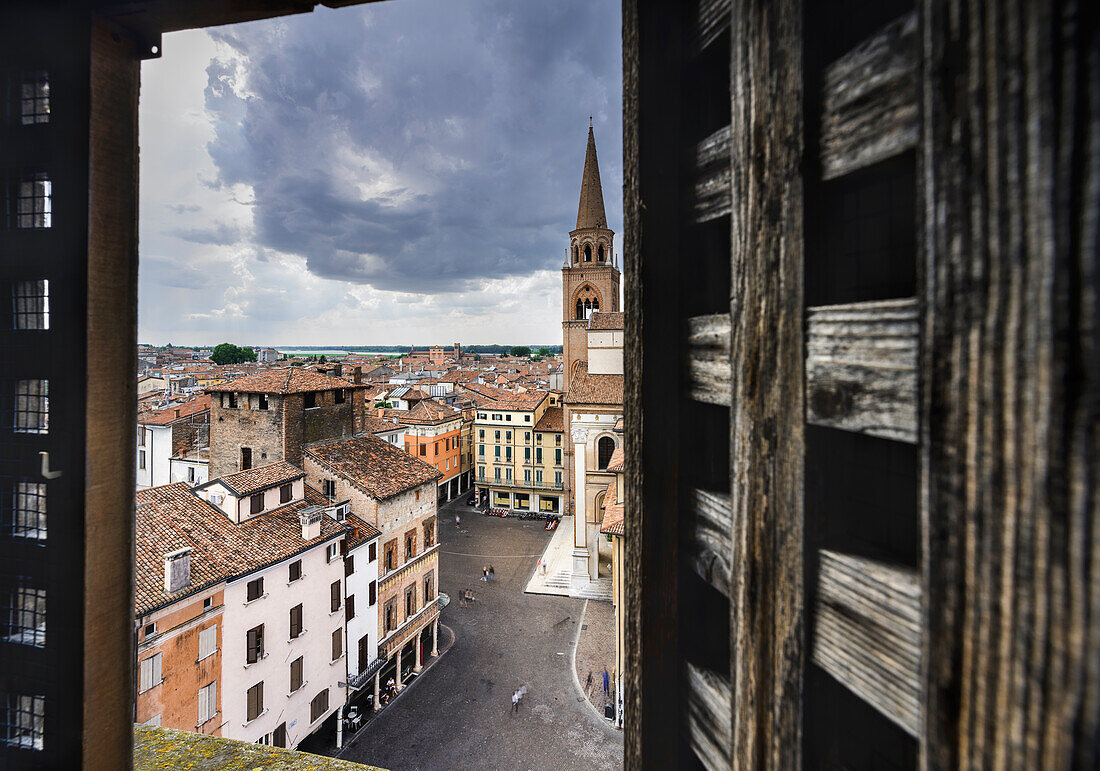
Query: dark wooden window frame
x,y
959,390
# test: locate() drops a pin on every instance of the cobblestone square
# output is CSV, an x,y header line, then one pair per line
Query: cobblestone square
x,y
458,713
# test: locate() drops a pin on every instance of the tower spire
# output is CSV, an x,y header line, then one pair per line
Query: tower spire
x,y
590,213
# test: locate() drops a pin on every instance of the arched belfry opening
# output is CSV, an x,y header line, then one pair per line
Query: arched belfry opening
x,y
599,256
588,252
587,302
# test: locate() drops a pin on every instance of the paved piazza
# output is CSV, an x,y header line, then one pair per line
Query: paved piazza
x,y
458,713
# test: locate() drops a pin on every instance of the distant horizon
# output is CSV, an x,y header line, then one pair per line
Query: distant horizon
x,y
359,348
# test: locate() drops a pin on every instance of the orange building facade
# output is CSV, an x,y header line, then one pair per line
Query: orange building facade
x,y
433,433
179,664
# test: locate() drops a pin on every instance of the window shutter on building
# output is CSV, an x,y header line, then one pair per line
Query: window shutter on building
x,y
208,702
334,596
337,644
295,621
150,672
255,701
208,641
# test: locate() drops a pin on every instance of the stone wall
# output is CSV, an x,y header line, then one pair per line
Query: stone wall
x,y
245,426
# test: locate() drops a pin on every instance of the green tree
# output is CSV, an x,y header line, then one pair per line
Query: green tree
x,y
227,353
520,350
544,352
321,360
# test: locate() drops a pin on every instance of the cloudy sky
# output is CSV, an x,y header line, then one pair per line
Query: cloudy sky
x,y
401,172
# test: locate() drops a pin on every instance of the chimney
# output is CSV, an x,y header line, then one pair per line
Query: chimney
x,y
177,570
337,370
310,518
357,375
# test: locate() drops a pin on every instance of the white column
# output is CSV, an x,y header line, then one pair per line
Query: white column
x,y
580,516
377,704
417,655
398,678
435,637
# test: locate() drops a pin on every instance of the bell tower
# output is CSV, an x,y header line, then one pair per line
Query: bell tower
x,y
590,276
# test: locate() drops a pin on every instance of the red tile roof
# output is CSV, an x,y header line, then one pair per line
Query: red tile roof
x,y
377,425
372,465
614,512
172,517
594,389
552,420
291,380
430,412
260,478
602,320
174,412
617,461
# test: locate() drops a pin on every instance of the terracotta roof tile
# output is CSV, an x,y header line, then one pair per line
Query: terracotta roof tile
x,y
373,465
552,420
617,461
614,512
431,412
374,425
606,320
255,479
291,380
594,389
169,414
173,517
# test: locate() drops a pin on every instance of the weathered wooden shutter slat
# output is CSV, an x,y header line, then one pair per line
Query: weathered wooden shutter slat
x,y
709,552
861,367
711,19
711,192
708,359
709,717
868,633
870,101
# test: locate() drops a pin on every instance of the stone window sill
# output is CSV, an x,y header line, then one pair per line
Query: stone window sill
x,y
249,602
247,723
257,661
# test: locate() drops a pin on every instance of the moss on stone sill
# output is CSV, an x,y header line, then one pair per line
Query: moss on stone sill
x,y
164,748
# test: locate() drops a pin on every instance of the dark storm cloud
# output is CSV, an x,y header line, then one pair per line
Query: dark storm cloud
x,y
417,145
219,233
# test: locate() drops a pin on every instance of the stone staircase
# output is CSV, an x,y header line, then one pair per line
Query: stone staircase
x,y
600,589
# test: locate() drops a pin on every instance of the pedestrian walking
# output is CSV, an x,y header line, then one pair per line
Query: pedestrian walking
x,y
515,702
606,683
490,572
484,573
588,683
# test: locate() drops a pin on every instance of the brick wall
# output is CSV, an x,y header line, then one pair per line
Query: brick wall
x,y
191,434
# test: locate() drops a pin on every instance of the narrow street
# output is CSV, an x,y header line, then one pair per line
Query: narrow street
x,y
458,713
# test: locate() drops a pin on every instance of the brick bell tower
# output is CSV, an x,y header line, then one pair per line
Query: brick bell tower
x,y
590,276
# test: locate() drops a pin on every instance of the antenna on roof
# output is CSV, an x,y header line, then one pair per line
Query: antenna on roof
x,y
589,121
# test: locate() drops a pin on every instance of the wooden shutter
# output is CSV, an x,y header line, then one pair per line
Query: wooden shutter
x,y
853,507
255,644
296,674
295,621
208,641
334,596
349,607
255,701
278,737
337,644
